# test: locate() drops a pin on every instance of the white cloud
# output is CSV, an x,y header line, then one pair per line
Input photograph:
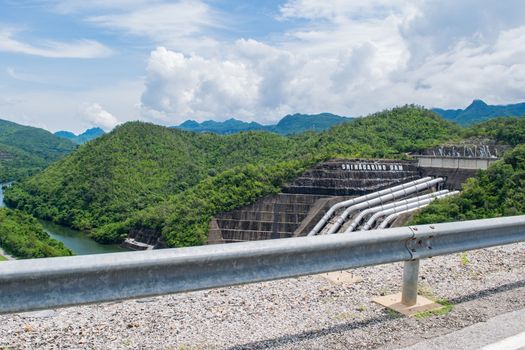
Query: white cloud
x,y
77,6
61,109
181,24
23,76
351,58
53,49
181,85
97,116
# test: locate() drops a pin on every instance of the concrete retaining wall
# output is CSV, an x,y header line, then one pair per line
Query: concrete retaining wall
x,y
455,163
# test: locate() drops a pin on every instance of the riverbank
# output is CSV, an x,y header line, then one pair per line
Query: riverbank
x,y
305,313
76,241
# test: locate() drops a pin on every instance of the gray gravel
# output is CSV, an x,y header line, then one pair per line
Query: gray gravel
x,y
304,313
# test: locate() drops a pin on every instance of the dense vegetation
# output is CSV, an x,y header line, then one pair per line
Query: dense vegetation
x,y
478,111
21,235
498,191
183,219
505,130
387,134
146,176
135,166
25,150
288,125
88,135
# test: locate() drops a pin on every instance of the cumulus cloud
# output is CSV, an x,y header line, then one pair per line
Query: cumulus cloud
x,y
350,58
53,49
94,114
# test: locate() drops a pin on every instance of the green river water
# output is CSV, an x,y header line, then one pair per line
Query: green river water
x,y
77,241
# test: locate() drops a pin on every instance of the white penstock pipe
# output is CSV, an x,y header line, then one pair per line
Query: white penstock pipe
x,y
392,217
360,199
401,208
386,198
373,210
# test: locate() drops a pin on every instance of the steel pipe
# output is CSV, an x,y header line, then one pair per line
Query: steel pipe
x,y
386,198
370,223
360,199
355,222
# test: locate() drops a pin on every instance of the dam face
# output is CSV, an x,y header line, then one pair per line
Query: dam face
x,y
303,202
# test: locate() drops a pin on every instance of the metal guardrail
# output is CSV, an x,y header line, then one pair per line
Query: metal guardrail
x,y
57,282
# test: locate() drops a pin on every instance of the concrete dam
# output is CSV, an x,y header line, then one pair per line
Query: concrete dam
x,y
302,203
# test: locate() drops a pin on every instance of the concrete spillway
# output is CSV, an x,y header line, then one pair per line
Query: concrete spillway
x,y
276,216
304,201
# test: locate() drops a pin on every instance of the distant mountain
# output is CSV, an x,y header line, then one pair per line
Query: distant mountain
x,y
86,136
479,111
24,150
290,124
296,123
230,126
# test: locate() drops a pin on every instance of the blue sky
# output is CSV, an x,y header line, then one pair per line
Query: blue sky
x,y
78,64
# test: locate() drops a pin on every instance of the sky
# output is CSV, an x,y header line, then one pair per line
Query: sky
x,y
75,64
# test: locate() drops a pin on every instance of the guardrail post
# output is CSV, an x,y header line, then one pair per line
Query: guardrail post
x,y
408,302
410,277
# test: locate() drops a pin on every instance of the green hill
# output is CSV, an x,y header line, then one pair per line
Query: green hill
x,y
25,150
505,130
133,167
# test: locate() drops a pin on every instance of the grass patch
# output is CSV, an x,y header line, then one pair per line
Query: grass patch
x,y
464,259
2,258
445,309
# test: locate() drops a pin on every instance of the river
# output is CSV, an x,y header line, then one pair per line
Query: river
x,y
77,241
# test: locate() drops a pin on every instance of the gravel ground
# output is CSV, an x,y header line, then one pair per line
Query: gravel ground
x,y
304,313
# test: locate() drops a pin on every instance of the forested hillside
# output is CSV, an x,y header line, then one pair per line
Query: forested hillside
x,y
497,191
25,150
143,175
22,235
135,166
510,130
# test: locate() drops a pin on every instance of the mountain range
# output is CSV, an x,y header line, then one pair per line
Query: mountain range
x,y
88,135
479,111
290,124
